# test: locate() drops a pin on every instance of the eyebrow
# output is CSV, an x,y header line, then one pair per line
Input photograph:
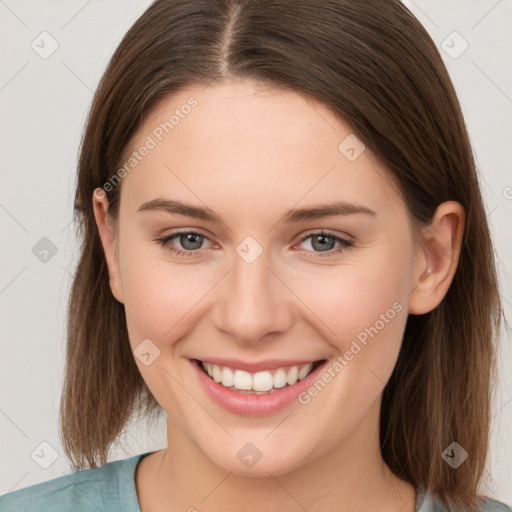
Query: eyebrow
x,y
291,216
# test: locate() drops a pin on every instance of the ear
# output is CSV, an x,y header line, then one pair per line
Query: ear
x,y
438,257
108,241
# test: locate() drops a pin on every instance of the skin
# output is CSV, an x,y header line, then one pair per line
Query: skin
x,y
250,154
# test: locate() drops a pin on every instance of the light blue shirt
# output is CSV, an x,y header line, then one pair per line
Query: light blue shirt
x,y
112,488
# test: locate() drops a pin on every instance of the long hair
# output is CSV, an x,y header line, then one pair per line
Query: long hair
x,y
374,65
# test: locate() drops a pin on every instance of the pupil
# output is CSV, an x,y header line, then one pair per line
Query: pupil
x,y
323,239
190,238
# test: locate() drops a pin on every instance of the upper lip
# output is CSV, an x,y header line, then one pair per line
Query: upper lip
x,y
254,367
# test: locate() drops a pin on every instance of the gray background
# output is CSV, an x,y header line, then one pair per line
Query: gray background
x,y
43,104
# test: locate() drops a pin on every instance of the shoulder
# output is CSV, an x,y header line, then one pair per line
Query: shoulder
x,y
89,490
491,505
427,503
495,506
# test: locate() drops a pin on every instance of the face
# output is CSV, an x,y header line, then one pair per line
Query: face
x,y
255,287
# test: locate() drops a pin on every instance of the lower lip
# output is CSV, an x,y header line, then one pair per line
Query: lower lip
x,y
254,405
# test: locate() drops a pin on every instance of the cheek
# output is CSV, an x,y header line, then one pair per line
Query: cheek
x,y
161,304
158,294
360,307
363,291
366,313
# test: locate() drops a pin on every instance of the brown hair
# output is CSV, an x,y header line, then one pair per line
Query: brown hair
x,y
374,65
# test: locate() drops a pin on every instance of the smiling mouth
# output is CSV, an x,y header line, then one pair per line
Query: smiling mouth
x,y
259,383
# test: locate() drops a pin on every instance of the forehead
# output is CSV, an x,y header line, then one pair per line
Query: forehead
x,y
252,143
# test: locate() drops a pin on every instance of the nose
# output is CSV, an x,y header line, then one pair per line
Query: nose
x,y
253,301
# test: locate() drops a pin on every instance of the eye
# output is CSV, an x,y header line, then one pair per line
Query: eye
x,y
325,242
191,241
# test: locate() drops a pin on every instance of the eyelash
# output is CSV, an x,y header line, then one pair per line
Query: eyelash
x,y
344,244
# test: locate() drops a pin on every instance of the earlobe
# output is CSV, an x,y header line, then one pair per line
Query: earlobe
x,y
438,258
108,241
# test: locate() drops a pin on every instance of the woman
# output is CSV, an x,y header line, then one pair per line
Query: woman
x,y
285,250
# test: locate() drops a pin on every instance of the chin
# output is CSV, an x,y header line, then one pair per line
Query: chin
x,y
250,461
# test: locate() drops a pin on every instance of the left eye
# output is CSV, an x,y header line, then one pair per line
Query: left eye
x,y
323,240
192,241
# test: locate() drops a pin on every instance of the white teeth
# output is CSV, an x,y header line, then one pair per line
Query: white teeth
x,y
242,380
260,382
216,373
228,377
280,378
305,370
293,375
